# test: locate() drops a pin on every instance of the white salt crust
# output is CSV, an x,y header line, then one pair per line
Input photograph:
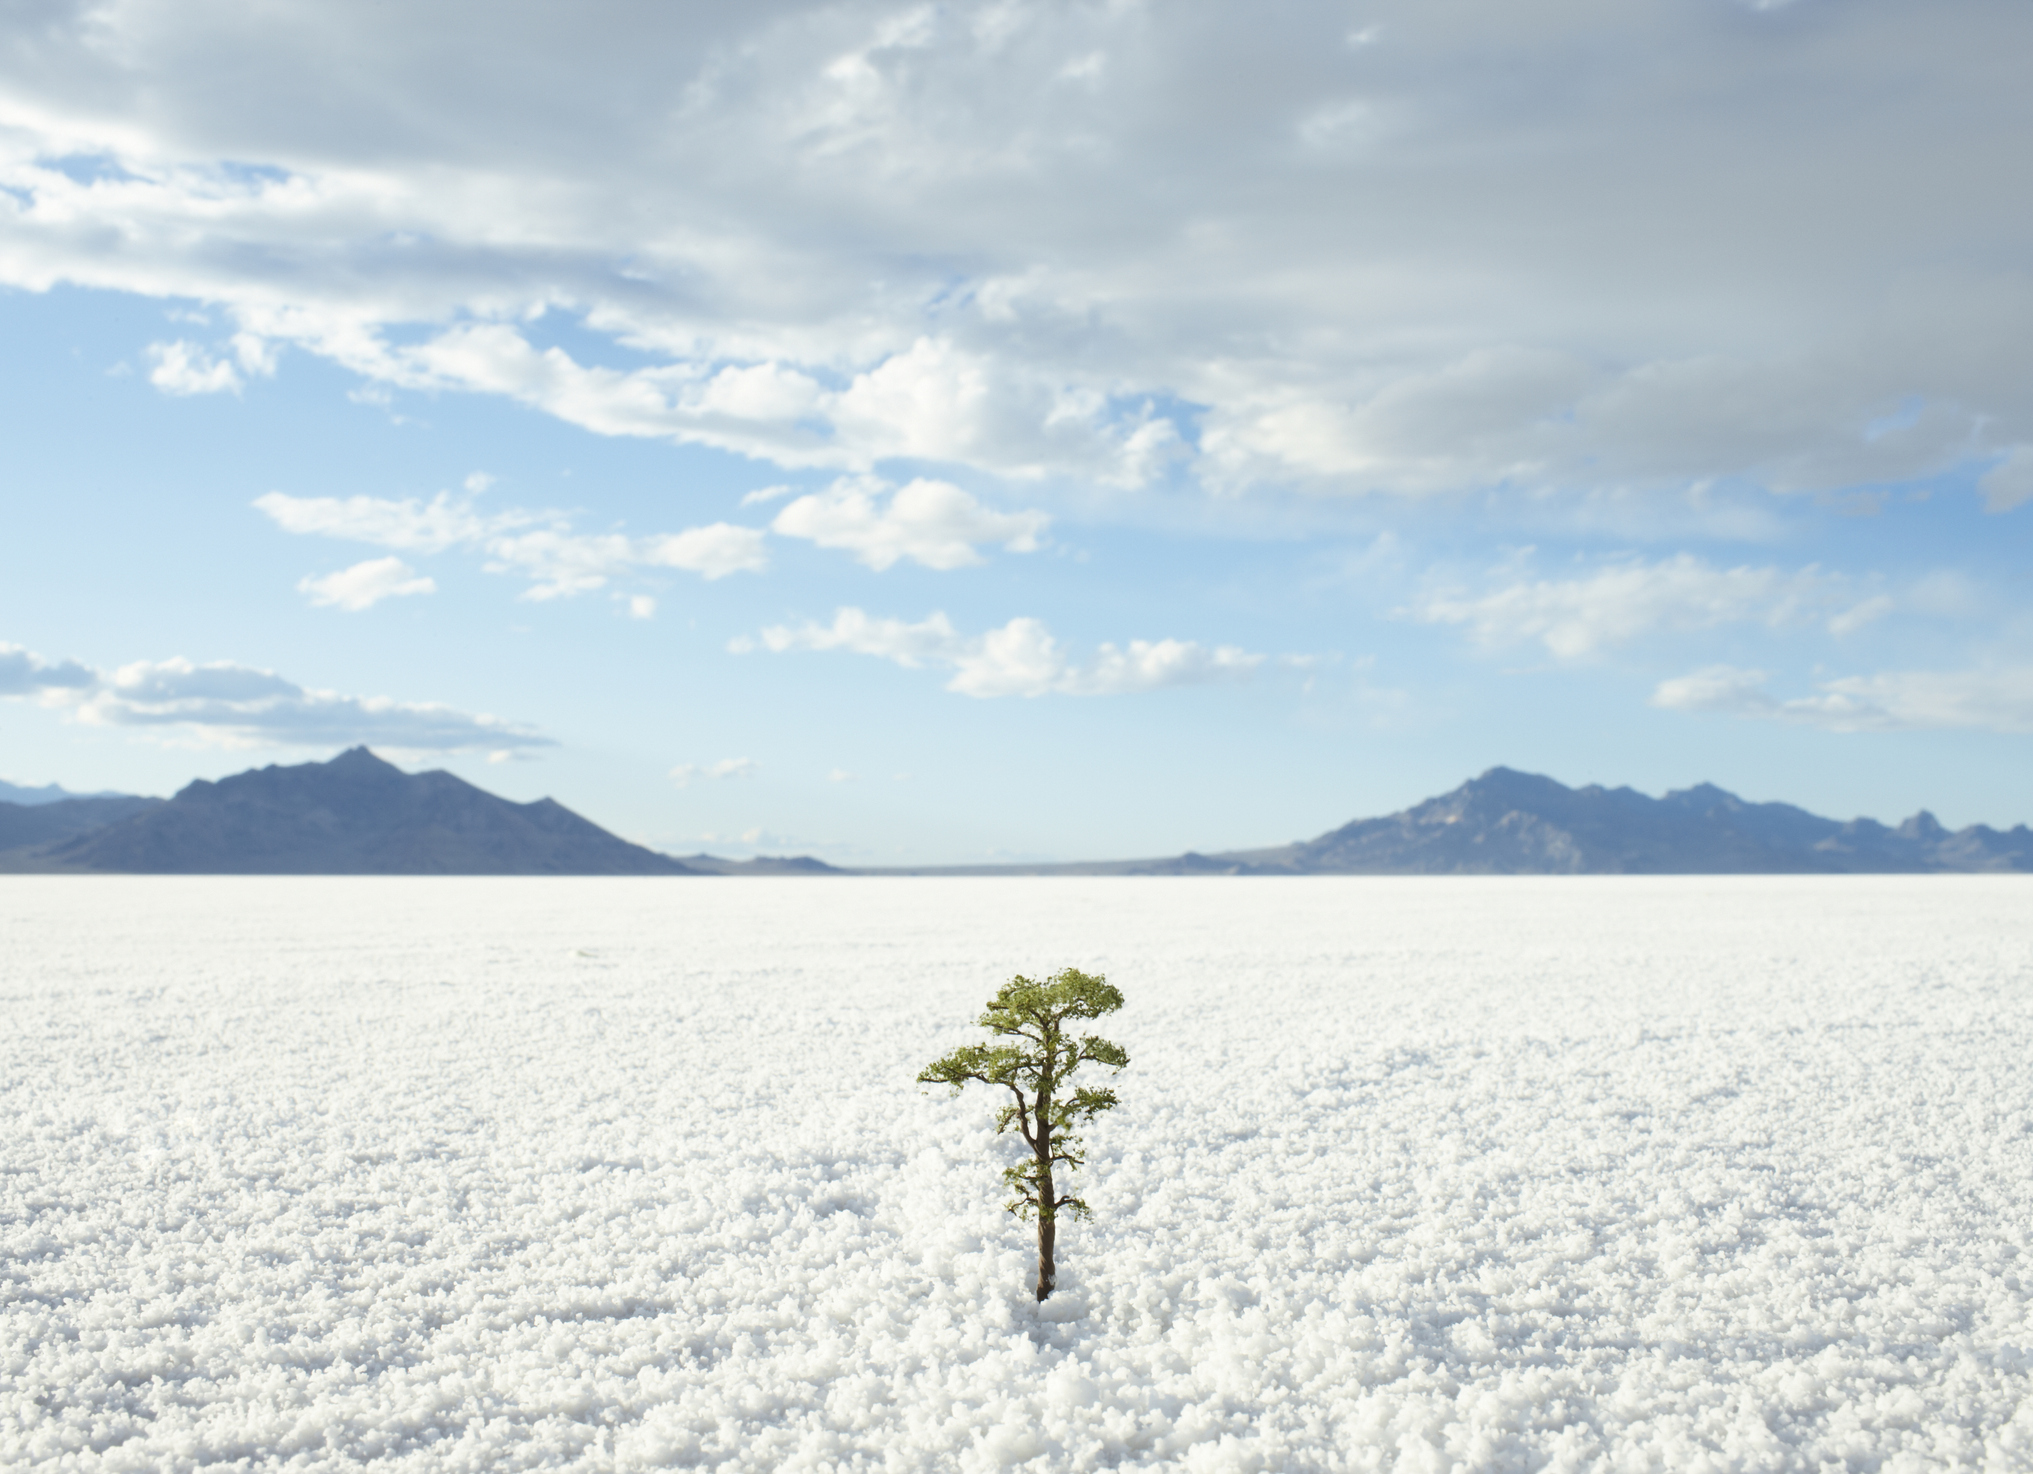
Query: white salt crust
x,y
1675,1174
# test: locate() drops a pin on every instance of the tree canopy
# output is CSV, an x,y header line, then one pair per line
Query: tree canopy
x,y
1033,1057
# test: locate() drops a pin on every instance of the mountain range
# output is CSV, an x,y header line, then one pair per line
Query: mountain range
x,y
354,815
1511,823
359,815
48,793
26,826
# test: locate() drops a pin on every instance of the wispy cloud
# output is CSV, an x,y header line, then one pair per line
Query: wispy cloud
x,y
2009,483
225,704
366,584
540,546
406,525
1627,600
1993,699
686,774
1021,658
560,564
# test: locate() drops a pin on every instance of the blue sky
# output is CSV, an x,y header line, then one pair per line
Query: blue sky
x,y
905,432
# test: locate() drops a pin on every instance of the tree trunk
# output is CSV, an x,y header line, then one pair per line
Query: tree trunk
x,y
1048,1231
1048,1195
1048,1220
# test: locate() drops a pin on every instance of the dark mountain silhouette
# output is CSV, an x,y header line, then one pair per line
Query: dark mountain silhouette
x,y
763,865
1512,823
355,815
39,823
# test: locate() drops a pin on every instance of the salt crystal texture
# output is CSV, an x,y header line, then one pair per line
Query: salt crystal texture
x,y
1687,1174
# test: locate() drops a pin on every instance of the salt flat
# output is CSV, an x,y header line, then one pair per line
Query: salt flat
x,y
1682,1174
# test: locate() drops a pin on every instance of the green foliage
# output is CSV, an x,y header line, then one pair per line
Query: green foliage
x,y
1033,1057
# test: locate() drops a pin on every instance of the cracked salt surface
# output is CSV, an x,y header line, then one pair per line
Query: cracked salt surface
x,y
1410,1174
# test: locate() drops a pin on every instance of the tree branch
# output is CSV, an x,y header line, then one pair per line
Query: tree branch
x,y
1023,1116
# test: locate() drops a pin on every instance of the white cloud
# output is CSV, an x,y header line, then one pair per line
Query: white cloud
x,y
1718,688
713,551
1996,699
641,606
560,564
933,523
1850,620
558,561
229,705
1147,665
1579,617
1021,658
24,673
256,356
407,526
685,774
366,584
182,368
931,640
1360,268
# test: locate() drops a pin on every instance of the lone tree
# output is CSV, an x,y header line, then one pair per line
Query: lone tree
x,y
1034,1058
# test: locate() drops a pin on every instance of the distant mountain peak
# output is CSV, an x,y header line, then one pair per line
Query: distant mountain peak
x,y
30,796
1510,822
1511,779
1701,794
1510,783
357,815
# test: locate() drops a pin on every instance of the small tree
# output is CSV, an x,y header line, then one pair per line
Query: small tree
x,y
1033,1059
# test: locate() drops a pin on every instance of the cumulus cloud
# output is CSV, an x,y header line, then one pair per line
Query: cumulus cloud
x,y
366,584
224,704
1578,617
1021,658
1080,243
1996,699
557,561
181,368
933,523
685,774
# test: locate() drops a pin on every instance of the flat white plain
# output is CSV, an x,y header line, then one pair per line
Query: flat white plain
x,y
1410,1174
